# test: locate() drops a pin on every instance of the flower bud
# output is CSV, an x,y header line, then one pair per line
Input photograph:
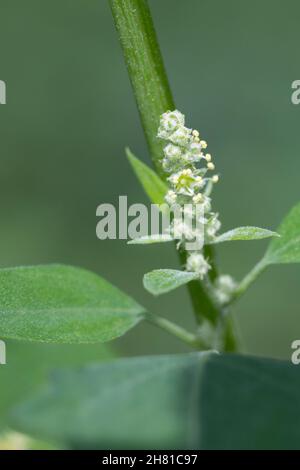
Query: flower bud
x,y
197,263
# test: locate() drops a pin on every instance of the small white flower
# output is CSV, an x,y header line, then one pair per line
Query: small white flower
x,y
170,166
196,148
191,159
169,123
174,179
182,136
172,151
190,188
182,230
203,201
183,181
206,204
198,198
193,212
198,264
199,182
171,197
173,158
225,286
194,153
213,226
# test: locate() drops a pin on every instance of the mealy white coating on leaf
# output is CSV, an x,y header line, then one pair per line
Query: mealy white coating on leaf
x,y
63,304
245,233
161,281
148,240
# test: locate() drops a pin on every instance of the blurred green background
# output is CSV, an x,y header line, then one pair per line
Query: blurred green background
x,y
69,114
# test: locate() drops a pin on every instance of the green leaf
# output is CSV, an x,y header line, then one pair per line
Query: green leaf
x,y
107,405
28,365
161,281
189,401
286,249
245,233
63,304
250,403
153,186
149,240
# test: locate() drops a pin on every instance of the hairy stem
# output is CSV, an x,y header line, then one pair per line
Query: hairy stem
x,y
202,301
177,331
145,68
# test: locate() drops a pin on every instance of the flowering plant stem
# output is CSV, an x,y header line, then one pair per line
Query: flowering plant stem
x,y
145,68
153,95
176,330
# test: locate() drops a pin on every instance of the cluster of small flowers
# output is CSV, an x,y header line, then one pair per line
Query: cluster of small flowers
x,y
189,183
224,287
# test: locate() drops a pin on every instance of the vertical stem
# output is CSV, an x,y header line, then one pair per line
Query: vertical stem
x,y
153,95
202,302
145,68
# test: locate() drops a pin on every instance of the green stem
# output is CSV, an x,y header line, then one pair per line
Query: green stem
x,y
152,92
145,68
202,301
249,279
177,331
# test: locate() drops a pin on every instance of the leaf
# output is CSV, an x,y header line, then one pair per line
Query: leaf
x,y
189,401
63,304
245,233
149,240
161,281
153,186
107,405
250,403
28,365
286,249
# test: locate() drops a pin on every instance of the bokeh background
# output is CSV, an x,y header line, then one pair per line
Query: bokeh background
x,y
70,112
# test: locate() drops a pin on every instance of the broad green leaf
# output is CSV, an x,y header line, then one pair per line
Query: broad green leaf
x,y
286,249
142,402
245,233
149,240
250,403
63,304
153,186
28,365
161,281
190,401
